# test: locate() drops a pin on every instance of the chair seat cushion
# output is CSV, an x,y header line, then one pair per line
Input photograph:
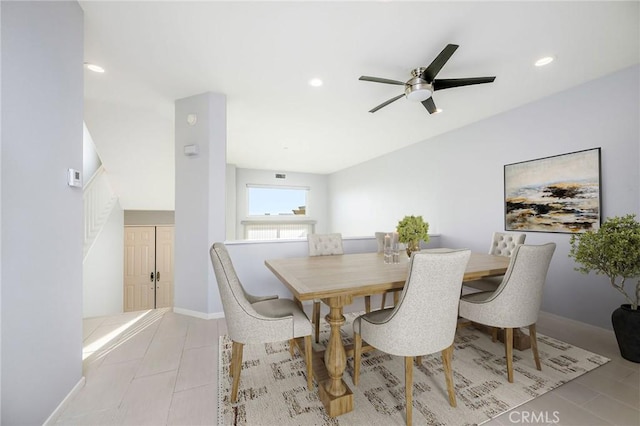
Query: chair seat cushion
x,y
485,284
377,317
478,297
278,308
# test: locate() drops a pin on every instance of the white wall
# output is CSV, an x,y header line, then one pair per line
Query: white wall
x,y
455,180
90,159
200,201
230,203
318,202
42,229
102,273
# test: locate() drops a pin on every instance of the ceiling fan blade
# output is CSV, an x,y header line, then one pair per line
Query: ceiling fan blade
x,y
448,83
430,105
384,104
432,70
381,80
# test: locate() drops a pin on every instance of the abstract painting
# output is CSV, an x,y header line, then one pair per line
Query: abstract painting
x,y
554,194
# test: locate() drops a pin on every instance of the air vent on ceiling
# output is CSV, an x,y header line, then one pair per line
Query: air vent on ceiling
x,y
281,176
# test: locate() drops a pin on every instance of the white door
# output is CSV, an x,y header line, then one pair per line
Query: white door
x,y
139,267
164,266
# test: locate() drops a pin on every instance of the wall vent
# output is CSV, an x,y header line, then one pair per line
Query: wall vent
x,y
281,176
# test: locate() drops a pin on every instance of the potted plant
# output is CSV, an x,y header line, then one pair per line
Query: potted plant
x,y
614,251
411,230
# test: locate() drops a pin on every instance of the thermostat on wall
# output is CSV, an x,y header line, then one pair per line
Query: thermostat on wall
x,y
75,178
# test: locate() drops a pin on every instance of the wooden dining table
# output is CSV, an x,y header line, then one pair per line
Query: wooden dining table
x,y
336,280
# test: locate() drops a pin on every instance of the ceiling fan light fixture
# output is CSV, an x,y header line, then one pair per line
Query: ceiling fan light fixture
x,y
419,95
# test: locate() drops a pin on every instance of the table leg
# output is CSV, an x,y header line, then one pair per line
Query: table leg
x,y
334,393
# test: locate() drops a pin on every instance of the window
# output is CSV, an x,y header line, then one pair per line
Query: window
x,y
277,212
276,200
274,230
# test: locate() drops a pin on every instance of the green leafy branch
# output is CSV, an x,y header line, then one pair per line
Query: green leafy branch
x,y
614,251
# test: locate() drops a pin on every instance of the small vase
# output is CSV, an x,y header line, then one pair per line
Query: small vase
x,y
412,246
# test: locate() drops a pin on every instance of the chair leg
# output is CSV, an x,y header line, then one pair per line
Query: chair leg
x,y
508,343
236,367
316,319
367,304
396,298
494,334
234,354
534,345
357,354
384,300
419,360
292,344
308,358
408,387
447,355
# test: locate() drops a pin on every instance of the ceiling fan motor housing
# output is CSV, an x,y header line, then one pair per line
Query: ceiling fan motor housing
x,y
418,89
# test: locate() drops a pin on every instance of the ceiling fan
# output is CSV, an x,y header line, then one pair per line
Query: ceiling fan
x,y
423,82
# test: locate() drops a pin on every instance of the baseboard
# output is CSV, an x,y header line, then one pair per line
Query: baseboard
x,y
197,314
584,325
53,418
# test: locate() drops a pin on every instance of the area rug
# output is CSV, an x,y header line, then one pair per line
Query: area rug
x,y
273,385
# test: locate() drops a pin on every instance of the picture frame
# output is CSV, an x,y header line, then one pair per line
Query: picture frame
x,y
561,193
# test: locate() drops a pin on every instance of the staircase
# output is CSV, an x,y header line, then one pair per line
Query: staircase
x,y
99,199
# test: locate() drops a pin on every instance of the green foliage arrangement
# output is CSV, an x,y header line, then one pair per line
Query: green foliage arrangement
x,y
614,251
412,229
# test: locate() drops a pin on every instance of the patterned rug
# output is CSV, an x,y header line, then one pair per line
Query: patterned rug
x,y
273,385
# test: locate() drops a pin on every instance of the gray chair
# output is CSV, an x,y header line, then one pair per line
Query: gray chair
x,y
424,320
502,244
256,320
380,241
516,302
327,245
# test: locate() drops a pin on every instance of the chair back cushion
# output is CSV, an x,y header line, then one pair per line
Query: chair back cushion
x,y
503,243
424,320
516,302
232,294
325,244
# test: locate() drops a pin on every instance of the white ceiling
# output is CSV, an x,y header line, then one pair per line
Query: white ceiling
x,y
262,54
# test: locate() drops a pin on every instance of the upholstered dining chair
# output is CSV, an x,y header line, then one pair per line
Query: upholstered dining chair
x,y
380,241
254,320
502,244
516,302
326,245
424,319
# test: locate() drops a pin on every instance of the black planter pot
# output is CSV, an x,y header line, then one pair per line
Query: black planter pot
x,y
626,324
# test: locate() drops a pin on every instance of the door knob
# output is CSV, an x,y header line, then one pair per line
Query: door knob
x,y
152,277
158,276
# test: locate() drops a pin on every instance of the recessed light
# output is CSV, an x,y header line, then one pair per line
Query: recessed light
x,y
544,61
94,67
315,82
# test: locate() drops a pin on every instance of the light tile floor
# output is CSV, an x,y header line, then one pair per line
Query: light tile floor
x,y
160,368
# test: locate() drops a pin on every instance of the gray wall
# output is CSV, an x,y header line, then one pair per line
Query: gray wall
x,y
42,230
200,201
455,180
149,217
